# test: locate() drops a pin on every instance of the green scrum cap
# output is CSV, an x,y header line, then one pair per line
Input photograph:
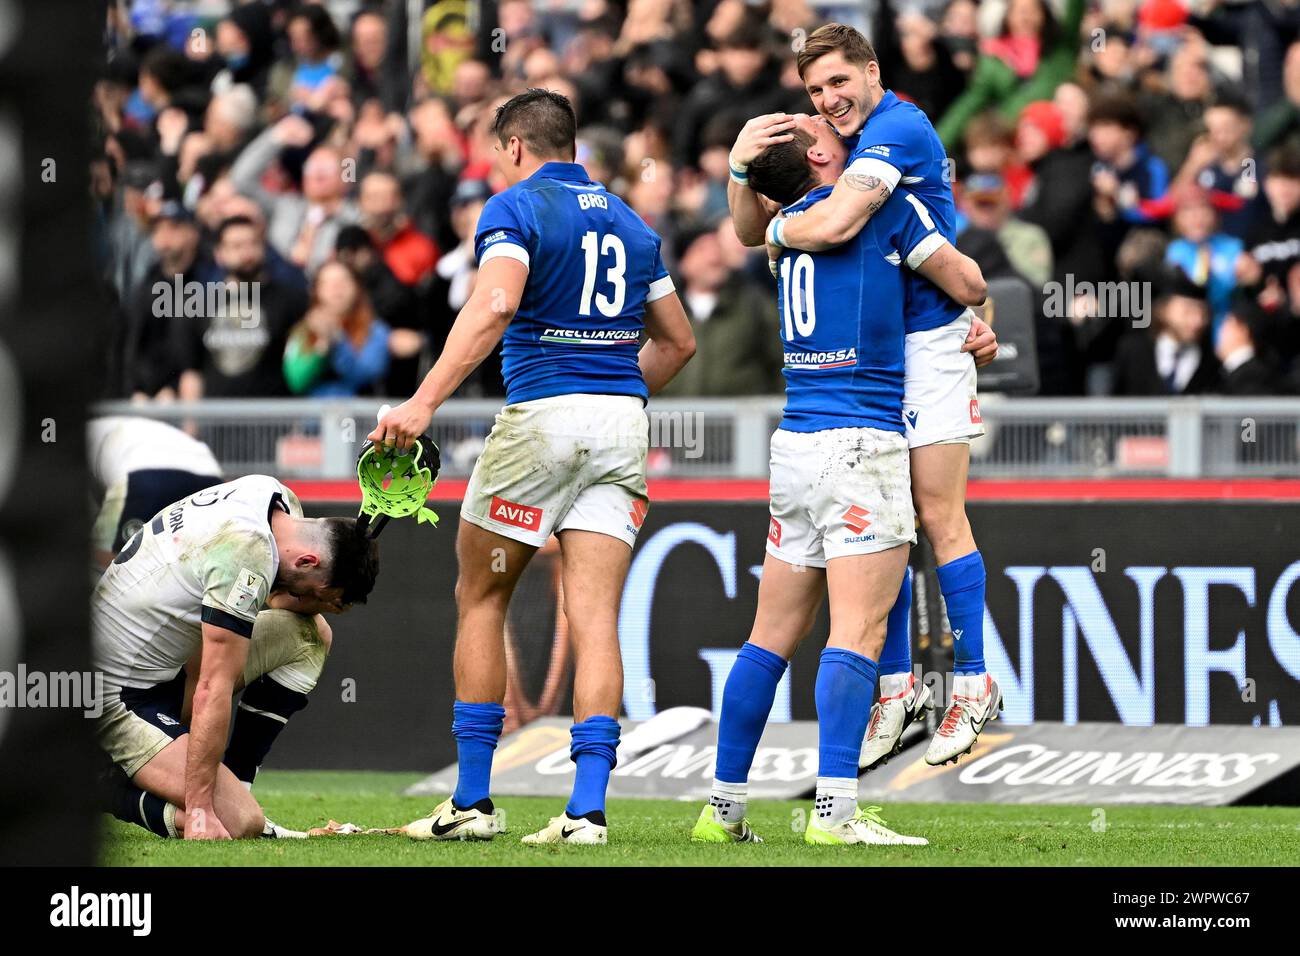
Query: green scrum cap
x,y
396,484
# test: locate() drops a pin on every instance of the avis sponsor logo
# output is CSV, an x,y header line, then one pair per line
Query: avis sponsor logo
x,y
1035,765
975,418
513,513
774,531
75,909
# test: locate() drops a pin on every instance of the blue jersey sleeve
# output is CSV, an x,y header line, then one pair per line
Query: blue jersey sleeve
x,y
889,148
908,226
504,229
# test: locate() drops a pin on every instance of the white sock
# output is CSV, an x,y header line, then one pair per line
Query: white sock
x,y
969,685
837,800
729,799
894,685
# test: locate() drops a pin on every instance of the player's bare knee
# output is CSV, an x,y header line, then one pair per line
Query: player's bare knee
x,y
252,821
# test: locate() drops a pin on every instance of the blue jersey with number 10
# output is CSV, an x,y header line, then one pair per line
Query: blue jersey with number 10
x,y
593,266
841,314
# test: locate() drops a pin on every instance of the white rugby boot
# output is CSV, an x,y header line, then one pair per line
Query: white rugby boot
x,y
566,829
865,826
448,822
976,699
889,718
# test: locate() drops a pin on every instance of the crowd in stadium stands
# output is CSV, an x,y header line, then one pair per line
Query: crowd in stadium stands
x,y
315,155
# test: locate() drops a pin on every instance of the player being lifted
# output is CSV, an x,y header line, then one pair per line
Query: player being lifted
x,y
571,277
191,584
893,143
841,506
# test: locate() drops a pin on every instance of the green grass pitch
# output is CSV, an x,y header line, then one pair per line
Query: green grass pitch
x,y
655,833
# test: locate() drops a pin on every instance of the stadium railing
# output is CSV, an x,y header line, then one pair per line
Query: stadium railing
x,y
728,438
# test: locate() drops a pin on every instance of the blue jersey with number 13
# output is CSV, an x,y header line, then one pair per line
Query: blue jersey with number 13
x,y
593,266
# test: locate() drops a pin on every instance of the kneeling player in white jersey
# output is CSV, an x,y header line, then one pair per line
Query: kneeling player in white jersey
x,y
137,466
571,277
894,147
841,506
190,585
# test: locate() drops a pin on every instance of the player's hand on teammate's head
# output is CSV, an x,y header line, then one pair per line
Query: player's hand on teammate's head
x,y
760,133
402,425
981,342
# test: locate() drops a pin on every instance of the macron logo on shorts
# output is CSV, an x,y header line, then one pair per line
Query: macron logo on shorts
x,y
857,519
774,531
521,516
911,415
975,418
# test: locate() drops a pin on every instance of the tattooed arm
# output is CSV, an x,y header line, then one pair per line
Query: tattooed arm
x,y
837,218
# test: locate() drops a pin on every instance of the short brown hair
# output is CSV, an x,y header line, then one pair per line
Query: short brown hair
x,y
542,119
781,172
835,38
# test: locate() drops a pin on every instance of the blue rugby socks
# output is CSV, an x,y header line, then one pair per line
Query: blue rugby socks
x,y
962,584
476,727
846,684
746,703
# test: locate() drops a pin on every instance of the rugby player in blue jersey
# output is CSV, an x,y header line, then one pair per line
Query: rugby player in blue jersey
x,y
841,506
894,147
571,278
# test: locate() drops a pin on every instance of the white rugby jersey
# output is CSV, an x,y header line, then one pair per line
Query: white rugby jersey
x,y
117,445
210,558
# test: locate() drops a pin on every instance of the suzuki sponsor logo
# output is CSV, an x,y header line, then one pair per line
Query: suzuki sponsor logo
x,y
857,519
513,513
1034,764
636,514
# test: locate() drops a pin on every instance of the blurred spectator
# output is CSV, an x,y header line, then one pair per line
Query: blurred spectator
x,y
302,227
1206,255
237,351
432,169
408,252
1280,123
986,206
914,61
1245,371
734,323
454,281
368,70
144,349
745,84
1271,263
314,40
246,44
1031,56
339,348
990,145
1176,111
1222,161
1059,198
1126,174
1174,355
